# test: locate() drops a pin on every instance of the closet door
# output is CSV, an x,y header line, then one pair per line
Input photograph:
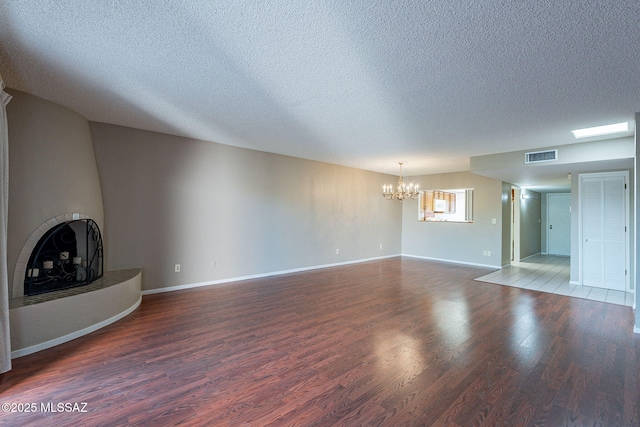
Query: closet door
x,y
603,226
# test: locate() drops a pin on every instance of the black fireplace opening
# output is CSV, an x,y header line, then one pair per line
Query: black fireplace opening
x,y
68,255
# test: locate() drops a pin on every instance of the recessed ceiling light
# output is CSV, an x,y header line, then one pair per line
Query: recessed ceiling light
x,y
601,130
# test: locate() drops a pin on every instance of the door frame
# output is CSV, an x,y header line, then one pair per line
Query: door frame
x,y
627,248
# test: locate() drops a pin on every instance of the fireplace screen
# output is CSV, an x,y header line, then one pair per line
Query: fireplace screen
x,y
68,255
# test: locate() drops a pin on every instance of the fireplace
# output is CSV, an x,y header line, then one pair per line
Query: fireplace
x,y
68,255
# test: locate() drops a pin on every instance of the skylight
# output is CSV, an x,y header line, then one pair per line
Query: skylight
x,y
601,130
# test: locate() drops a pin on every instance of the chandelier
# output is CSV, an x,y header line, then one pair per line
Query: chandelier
x,y
402,192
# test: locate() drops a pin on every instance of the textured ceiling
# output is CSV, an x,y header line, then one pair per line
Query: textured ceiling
x,y
360,83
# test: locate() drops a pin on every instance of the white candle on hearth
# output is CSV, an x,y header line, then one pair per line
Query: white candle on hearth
x,y
29,271
47,265
77,260
35,272
64,255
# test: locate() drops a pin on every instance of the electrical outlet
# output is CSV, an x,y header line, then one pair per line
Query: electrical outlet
x,y
380,245
484,253
337,251
177,268
488,253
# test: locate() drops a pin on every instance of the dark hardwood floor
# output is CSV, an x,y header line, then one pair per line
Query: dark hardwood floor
x,y
394,342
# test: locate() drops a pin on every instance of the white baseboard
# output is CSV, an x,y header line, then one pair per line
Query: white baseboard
x,y
450,261
258,276
297,270
530,256
74,335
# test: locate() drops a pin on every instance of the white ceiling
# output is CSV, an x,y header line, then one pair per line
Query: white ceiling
x,y
364,83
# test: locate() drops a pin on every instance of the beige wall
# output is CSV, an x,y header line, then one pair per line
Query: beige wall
x,y
458,242
52,168
224,212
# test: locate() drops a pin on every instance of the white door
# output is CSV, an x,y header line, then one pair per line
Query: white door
x,y
603,230
559,224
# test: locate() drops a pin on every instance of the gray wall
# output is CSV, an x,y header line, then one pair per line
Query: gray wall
x,y
225,212
530,221
52,168
459,242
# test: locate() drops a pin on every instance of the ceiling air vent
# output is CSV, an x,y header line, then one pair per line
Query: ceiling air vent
x,y
541,156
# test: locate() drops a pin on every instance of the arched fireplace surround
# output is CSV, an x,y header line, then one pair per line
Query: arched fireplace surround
x,y
44,320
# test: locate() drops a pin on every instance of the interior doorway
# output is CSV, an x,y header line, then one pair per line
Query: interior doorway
x,y
559,224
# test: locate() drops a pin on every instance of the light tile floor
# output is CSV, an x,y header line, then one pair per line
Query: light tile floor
x,y
547,273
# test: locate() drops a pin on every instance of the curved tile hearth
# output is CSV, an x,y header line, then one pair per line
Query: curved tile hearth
x,y
46,320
